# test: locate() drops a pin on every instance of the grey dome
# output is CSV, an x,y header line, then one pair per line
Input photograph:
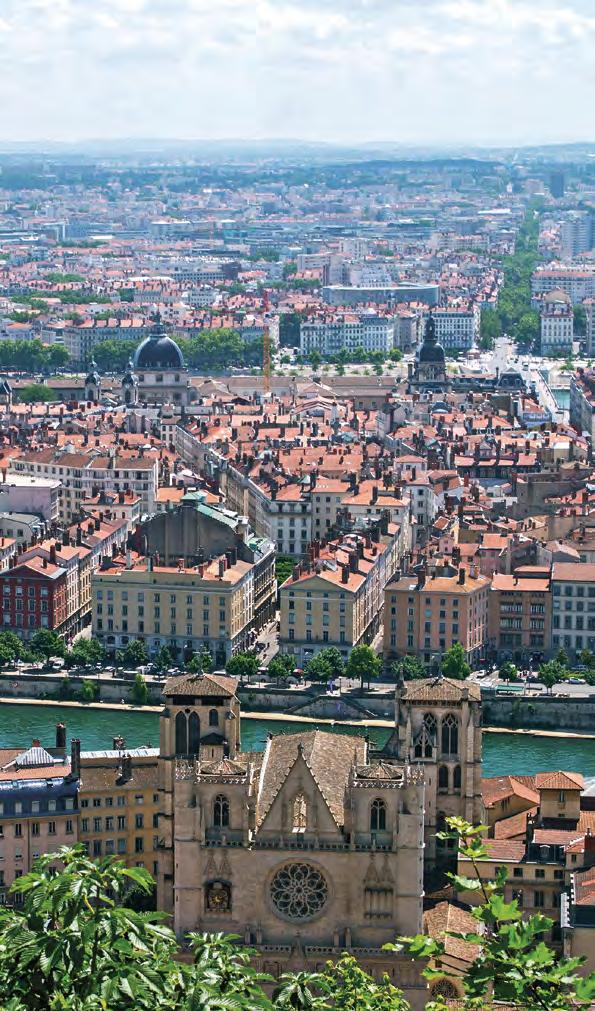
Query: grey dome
x,y
158,351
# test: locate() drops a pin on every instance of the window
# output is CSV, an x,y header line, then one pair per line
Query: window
x,y
121,801
97,824
181,734
300,814
221,812
138,821
539,872
97,847
18,830
35,828
139,844
213,718
51,827
456,781
443,778
450,735
378,816
539,900
517,872
121,845
121,822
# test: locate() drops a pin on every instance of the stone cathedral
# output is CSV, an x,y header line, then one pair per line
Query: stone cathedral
x,y
315,845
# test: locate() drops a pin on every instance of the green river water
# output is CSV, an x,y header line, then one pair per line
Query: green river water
x,y
502,753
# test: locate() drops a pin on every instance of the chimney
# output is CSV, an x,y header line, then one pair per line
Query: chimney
x,y
344,573
221,567
353,560
461,576
53,554
75,758
60,737
126,768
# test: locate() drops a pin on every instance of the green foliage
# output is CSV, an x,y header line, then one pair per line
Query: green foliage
x,y
322,666
163,658
551,673
489,328
14,647
36,393
580,320
281,666
508,672
140,690
85,651
134,654
220,348
514,300
410,668
55,277
284,565
513,963
289,328
113,355
242,665
454,663
89,690
363,663
46,643
289,269
200,663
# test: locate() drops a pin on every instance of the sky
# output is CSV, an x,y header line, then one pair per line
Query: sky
x,y
430,72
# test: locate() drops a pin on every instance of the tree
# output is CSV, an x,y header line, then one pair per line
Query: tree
x,y
513,963
454,663
284,565
57,357
315,359
508,672
580,320
363,663
561,657
587,658
334,660
281,666
317,668
242,665
489,328
410,668
89,690
13,645
140,690
47,643
36,393
551,673
85,651
163,658
200,663
133,654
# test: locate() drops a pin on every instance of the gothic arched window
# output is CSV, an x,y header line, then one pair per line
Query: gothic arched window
x,y
181,734
457,777
443,778
193,734
430,734
213,718
300,814
378,816
450,735
221,811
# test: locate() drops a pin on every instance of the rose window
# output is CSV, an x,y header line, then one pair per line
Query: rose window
x,y
299,891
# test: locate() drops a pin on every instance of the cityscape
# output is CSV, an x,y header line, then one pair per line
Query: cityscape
x,y
297,510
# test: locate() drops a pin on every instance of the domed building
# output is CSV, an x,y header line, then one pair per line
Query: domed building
x,y
157,373
429,369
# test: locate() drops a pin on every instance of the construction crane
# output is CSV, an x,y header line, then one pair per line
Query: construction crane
x,y
266,348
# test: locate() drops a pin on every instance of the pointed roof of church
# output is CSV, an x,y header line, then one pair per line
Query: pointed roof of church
x,y
329,757
440,689
201,684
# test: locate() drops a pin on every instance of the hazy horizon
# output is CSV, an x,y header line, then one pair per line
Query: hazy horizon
x,y
455,73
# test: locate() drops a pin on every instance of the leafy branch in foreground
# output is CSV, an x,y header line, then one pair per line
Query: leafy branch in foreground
x,y
513,963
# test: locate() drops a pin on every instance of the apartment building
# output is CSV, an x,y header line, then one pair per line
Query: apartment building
x,y
38,807
348,331
520,612
539,848
457,328
21,493
573,607
577,282
336,597
119,805
425,613
582,402
556,323
34,596
85,476
576,234
590,326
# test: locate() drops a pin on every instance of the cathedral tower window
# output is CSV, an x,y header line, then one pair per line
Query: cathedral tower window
x,y
443,778
221,811
193,734
457,777
181,734
450,735
213,718
378,816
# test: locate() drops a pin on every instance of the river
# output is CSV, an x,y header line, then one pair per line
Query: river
x,y
520,754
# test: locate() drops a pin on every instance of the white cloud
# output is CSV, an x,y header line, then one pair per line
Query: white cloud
x,y
431,71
